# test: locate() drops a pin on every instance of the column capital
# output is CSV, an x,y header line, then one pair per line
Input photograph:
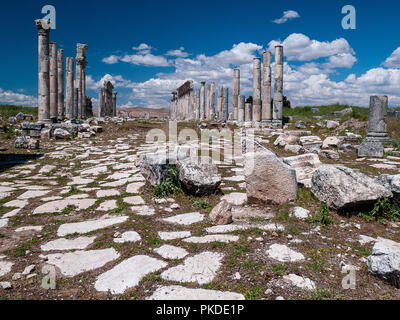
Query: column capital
x,y
43,26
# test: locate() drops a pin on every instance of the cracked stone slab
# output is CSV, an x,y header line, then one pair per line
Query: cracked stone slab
x,y
107,205
135,187
89,226
127,274
16,204
235,198
60,205
213,238
129,236
68,244
107,193
185,219
182,293
171,252
143,210
94,171
236,227
201,268
283,253
5,267
174,235
30,228
135,201
33,194
79,181
74,263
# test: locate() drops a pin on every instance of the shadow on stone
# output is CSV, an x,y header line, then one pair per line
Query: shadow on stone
x,y
8,160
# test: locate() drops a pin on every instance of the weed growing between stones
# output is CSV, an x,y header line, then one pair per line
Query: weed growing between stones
x,y
384,210
322,217
171,186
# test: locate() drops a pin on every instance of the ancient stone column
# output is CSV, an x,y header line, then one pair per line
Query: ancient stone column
x,y
101,103
236,92
114,102
70,89
80,78
202,100
219,103
278,86
266,114
76,103
60,84
44,71
212,101
207,115
53,81
373,144
241,108
78,84
248,113
225,101
256,90
197,106
83,79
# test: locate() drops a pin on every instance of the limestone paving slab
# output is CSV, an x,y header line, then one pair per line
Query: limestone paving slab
x,y
60,205
283,253
185,219
176,293
89,225
5,267
74,263
201,268
68,244
212,238
173,235
129,236
127,274
171,252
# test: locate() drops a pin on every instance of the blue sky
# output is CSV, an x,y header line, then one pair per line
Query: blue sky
x,y
148,48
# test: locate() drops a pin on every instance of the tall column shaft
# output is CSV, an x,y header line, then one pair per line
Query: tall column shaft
x,y
212,101
225,102
70,89
43,70
377,126
60,84
53,81
101,103
219,103
248,112
76,103
114,101
78,83
266,94
197,106
278,86
208,102
202,100
83,86
236,92
241,108
256,89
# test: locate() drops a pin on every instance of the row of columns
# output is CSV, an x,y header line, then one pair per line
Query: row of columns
x,y
52,105
260,111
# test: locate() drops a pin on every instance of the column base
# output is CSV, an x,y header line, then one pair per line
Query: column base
x,y
256,124
276,124
371,147
266,123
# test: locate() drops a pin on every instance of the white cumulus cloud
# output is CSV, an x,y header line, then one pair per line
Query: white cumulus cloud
x,y
287,15
394,60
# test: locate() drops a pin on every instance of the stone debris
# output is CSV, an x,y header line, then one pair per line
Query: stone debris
x,y
305,165
127,274
300,282
74,263
283,253
221,214
181,293
342,188
201,268
171,252
5,267
143,210
299,213
60,205
129,236
269,179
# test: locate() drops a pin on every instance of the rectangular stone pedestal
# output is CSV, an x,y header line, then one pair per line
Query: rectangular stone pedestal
x,y
371,147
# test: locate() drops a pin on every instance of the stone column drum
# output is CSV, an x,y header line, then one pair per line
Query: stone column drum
x,y
256,90
53,81
60,85
70,89
266,114
278,86
202,100
236,92
241,108
44,70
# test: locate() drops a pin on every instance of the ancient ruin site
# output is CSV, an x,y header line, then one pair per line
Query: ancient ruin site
x,y
241,171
